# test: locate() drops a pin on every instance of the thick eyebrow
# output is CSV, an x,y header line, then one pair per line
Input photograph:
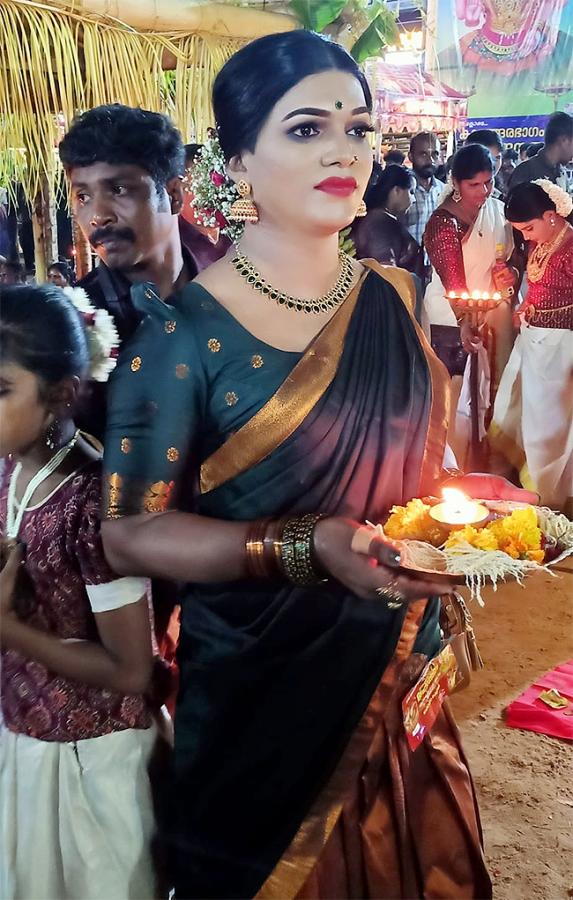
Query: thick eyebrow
x,y
128,180
321,113
125,178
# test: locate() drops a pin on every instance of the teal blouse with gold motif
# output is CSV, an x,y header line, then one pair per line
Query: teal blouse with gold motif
x,y
190,377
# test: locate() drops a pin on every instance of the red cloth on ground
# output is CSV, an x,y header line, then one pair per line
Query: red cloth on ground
x,y
534,715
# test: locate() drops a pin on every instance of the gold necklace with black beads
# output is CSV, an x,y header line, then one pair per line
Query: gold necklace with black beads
x,y
245,268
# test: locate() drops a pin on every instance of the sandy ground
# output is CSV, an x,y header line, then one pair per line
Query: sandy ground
x,y
524,780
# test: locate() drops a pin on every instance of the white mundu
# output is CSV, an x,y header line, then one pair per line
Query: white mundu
x,y
533,413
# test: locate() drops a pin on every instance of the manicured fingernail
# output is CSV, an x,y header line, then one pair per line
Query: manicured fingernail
x,y
394,558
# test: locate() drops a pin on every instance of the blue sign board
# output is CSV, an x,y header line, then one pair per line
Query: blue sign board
x,y
513,130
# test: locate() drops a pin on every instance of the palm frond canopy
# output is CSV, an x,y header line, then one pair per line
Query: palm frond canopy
x,y
60,57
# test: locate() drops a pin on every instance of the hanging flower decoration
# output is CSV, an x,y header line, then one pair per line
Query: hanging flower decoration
x,y
561,199
103,339
213,191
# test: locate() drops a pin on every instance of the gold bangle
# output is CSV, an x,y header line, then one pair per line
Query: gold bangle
x,y
255,547
273,547
263,548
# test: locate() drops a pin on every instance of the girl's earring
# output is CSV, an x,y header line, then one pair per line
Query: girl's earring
x,y
552,222
244,209
456,196
362,210
53,435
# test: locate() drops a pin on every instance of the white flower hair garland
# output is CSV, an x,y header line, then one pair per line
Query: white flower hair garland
x,y
213,191
561,199
103,339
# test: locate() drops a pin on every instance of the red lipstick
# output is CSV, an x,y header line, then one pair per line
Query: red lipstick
x,y
338,187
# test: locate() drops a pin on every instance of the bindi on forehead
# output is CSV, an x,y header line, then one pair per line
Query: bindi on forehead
x,y
330,91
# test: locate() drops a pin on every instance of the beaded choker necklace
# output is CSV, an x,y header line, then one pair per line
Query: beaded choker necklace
x,y
542,253
328,301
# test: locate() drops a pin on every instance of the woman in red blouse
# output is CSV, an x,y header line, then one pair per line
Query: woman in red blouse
x,y
533,414
469,244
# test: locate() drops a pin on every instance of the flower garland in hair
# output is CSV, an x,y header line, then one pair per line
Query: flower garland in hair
x,y
561,199
213,191
103,339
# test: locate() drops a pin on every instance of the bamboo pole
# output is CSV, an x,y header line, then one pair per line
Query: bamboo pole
x,y
44,230
82,251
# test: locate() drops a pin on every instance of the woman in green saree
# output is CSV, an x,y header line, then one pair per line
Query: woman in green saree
x,y
237,414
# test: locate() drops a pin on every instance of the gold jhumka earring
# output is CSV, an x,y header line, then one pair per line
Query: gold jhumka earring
x,y
244,209
362,210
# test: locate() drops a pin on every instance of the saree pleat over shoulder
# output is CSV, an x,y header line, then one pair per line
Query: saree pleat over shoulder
x,y
286,692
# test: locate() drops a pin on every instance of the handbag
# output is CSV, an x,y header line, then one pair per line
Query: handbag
x,y
456,625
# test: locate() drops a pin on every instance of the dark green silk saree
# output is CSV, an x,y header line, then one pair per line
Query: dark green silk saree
x,y
274,678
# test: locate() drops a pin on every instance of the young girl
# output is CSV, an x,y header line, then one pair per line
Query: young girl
x,y
76,645
533,414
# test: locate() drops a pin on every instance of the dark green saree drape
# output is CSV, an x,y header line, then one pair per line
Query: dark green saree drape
x,y
274,678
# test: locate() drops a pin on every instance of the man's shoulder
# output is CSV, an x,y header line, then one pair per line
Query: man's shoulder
x,y
525,171
90,283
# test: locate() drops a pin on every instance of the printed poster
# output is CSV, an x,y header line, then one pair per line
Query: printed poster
x,y
511,58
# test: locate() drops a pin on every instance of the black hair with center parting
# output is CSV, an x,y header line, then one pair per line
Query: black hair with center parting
x,y
121,135
392,176
41,330
470,160
527,201
255,78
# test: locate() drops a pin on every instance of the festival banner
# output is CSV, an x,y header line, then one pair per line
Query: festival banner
x,y
513,130
510,58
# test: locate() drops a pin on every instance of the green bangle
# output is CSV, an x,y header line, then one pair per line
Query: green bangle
x,y
297,551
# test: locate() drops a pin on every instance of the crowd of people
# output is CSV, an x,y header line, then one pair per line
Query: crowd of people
x,y
267,400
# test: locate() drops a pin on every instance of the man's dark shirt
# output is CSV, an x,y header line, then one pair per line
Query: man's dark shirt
x,y
536,167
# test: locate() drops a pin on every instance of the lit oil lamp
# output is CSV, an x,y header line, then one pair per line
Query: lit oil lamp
x,y
475,300
458,509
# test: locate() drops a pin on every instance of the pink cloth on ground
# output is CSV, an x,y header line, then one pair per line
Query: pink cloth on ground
x,y
532,714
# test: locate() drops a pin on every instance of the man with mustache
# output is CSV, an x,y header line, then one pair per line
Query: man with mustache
x,y
125,168
425,155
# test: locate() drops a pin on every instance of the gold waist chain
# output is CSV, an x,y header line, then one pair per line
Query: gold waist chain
x,y
548,316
